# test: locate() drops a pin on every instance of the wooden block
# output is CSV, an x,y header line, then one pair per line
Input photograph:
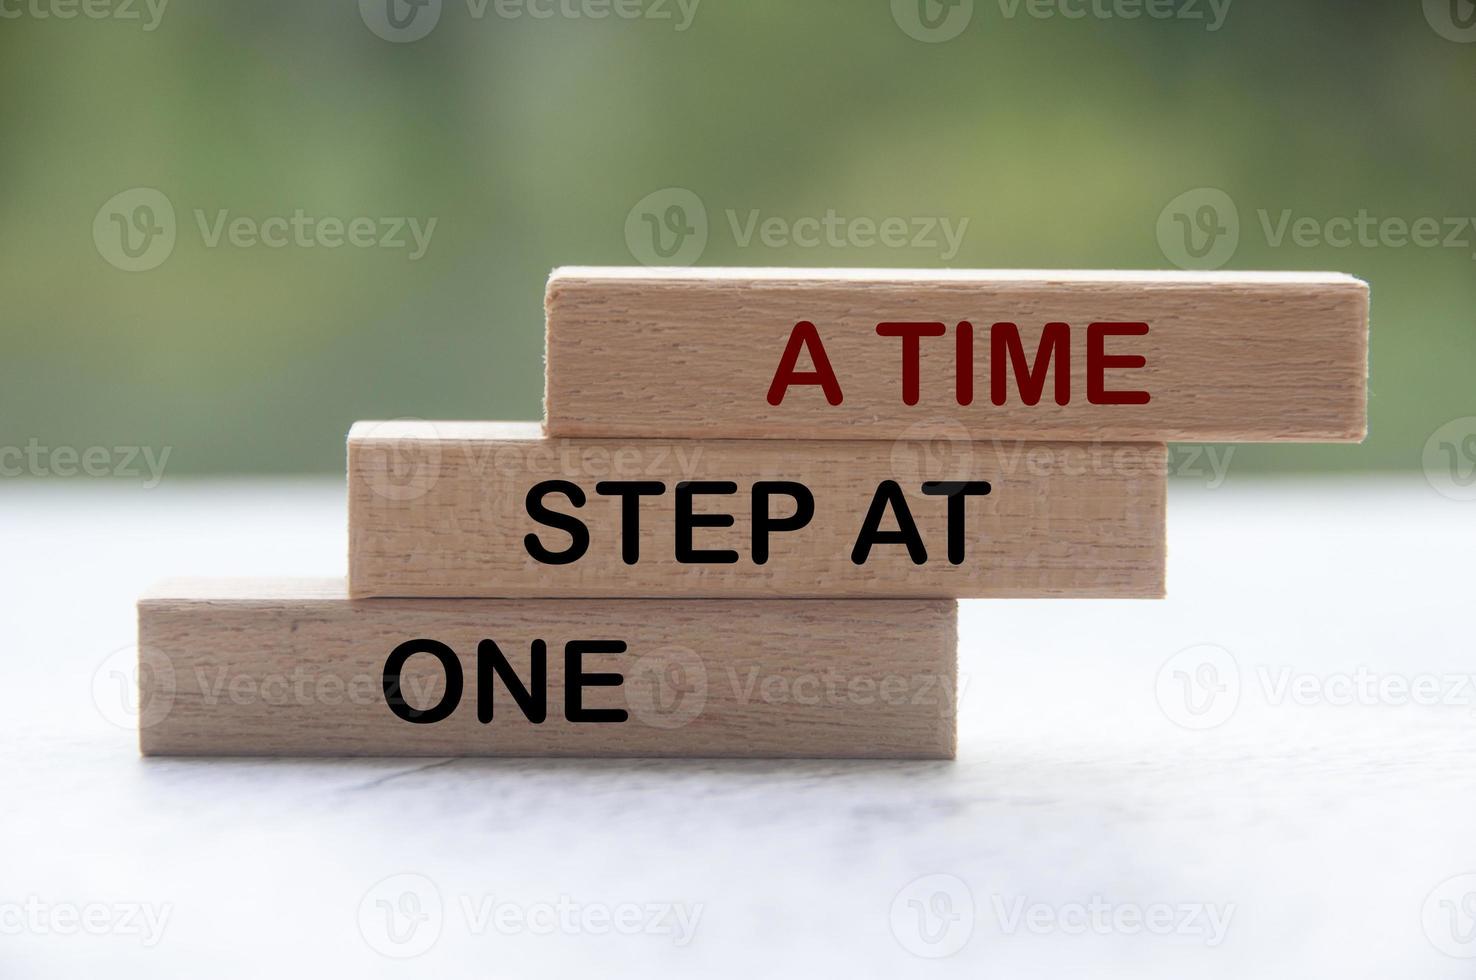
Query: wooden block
x,y
443,509
1215,357
286,667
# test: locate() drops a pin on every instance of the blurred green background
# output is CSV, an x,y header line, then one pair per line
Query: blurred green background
x,y
530,139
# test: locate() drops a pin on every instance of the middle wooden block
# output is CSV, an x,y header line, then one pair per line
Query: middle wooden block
x,y
489,509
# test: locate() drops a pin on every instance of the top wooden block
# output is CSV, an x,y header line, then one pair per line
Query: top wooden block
x,y
1130,356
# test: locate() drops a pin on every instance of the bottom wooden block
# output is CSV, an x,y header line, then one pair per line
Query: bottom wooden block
x,y
294,667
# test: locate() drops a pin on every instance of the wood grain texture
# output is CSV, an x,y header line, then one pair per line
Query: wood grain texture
x,y
687,353
286,667
438,509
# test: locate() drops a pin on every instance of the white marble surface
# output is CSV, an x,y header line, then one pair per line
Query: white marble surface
x,y
1323,831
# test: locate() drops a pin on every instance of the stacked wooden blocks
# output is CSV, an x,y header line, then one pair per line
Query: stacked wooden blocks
x,y
756,496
